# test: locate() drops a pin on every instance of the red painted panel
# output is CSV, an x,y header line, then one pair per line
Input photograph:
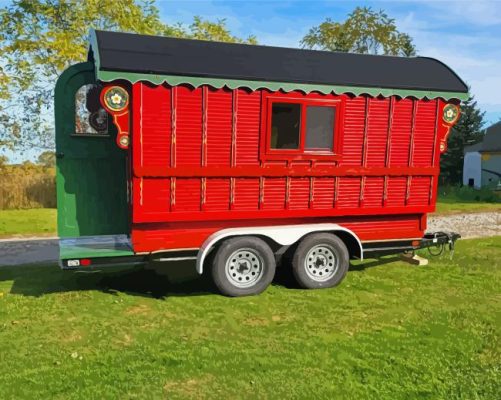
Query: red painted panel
x,y
323,193
248,122
349,192
152,136
353,132
188,194
150,196
424,133
188,126
420,191
373,191
274,194
246,194
407,226
217,195
400,132
377,132
212,163
219,126
299,193
397,187
178,235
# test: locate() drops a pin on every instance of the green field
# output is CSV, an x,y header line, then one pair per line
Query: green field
x,y
462,201
42,221
390,331
453,200
445,206
32,222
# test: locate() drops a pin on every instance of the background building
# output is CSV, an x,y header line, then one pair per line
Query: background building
x,y
482,161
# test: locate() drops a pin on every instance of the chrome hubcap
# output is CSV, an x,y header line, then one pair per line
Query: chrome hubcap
x,y
321,263
244,268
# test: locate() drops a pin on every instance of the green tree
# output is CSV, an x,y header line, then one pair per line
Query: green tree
x,y
207,30
40,38
47,159
467,131
364,31
4,160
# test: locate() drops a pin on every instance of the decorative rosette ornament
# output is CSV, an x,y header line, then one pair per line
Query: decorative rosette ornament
x,y
116,98
450,116
451,113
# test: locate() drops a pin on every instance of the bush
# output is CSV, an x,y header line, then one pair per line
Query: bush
x,y
27,186
468,194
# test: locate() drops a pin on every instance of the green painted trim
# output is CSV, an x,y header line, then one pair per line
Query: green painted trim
x,y
64,205
71,252
175,80
95,246
90,172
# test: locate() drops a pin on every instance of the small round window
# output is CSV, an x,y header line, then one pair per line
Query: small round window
x,y
90,117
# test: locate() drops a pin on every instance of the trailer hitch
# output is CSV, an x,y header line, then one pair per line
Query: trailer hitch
x,y
436,242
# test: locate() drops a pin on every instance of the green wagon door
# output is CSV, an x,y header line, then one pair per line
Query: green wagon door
x,y
91,169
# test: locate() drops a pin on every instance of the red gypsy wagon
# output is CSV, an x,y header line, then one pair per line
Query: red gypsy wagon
x,y
235,155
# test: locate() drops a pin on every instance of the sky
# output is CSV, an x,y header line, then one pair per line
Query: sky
x,y
465,34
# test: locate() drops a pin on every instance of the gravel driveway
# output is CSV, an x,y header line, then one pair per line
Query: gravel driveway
x,y
468,225
17,252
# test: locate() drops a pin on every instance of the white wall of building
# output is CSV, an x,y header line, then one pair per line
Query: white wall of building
x,y
472,169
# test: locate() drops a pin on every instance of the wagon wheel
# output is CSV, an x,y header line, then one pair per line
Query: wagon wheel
x,y
320,261
243,266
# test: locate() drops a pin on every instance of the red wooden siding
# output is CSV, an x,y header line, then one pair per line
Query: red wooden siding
x,y
151,147
377,132
217,194
396,191
188,194
192,235
373,192
247,121
219,127
299,193
246,196
424,133
323,193
274,194
353,131
188,126
196,157
400,132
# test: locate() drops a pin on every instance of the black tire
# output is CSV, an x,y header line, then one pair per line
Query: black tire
x,y
327,264
243,266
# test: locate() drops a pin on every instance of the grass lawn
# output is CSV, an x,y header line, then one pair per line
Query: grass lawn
x,y
37,221
453,206
389,331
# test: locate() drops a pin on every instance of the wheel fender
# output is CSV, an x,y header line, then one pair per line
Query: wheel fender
x,y
284,235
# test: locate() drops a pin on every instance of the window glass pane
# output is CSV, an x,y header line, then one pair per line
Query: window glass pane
x,y
285,125
320,127
90,117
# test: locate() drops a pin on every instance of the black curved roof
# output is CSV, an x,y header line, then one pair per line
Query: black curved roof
x,y
170,56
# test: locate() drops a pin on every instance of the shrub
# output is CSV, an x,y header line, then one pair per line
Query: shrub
x,y
468,194
27,186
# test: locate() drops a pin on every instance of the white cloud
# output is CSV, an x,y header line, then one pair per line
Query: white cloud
x,y
476,12
466,35
472,51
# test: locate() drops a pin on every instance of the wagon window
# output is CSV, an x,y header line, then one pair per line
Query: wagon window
x,y
285,125
90,118
320,127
